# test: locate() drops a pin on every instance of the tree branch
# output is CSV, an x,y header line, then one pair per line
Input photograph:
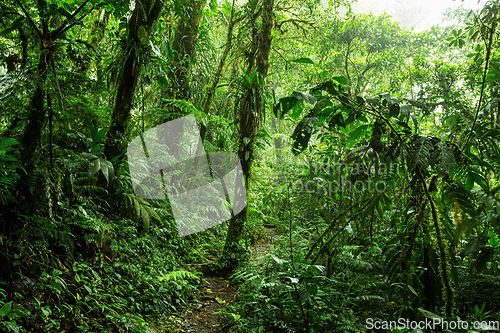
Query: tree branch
x,y
30,21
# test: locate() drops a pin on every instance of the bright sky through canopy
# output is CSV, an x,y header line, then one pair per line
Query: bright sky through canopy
x,y
421,13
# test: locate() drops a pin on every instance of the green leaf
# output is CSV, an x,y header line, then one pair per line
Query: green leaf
x,y
469,184
151,212
107,169
387,97
325,86
394,110
96,134
337,120
285,104
429,314
297,110
302,134
145,219
163,81
170,54
302,96
94,168
420,153
415,122
404,124
356,134
479,179
15,25
89,156
5,309
412,290
303,61
143,35
341,79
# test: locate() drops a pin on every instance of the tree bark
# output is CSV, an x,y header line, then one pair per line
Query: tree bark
x,y
145,13
222,62
183,47
36,116
250,115
33,131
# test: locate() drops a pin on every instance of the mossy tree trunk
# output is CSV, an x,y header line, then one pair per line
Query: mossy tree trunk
x,y
183,48
32,134
145,13
33,131
222,62
251,109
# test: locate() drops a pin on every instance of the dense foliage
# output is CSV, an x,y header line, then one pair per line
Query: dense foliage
x,y
370,150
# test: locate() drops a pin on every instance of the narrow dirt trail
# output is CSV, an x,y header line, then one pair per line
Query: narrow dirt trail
x,y
204,317
216,293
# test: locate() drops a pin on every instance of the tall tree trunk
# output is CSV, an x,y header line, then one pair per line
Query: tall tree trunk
x,y
218,73
144,15
96,36
250,116
183,47
36,116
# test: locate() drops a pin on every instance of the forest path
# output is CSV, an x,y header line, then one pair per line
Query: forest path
x,y
216,293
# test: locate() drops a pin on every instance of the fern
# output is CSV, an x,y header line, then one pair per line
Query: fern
x,y
370,298
442,159
185,105
420,154
181,275
6,187
142,210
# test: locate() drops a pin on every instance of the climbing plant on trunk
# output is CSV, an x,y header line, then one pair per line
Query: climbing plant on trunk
x,y
140,24
183,48
31,137
250,107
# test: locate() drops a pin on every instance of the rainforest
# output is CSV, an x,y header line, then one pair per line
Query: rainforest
x,y
248,166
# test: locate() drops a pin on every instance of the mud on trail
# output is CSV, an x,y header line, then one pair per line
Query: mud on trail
x,y
216,293
206,316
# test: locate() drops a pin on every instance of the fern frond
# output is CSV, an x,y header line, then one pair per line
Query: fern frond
x,y
180,275
370,298
185,105
443,159
142,210
420,153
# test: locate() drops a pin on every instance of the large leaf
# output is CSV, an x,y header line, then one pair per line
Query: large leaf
x,y
337,120
96,134
355,135
284,105
15,25
443,159
143,35
476,177
5,309
341,79
303,61
302,96
107,169
302,134
325,86
99,164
